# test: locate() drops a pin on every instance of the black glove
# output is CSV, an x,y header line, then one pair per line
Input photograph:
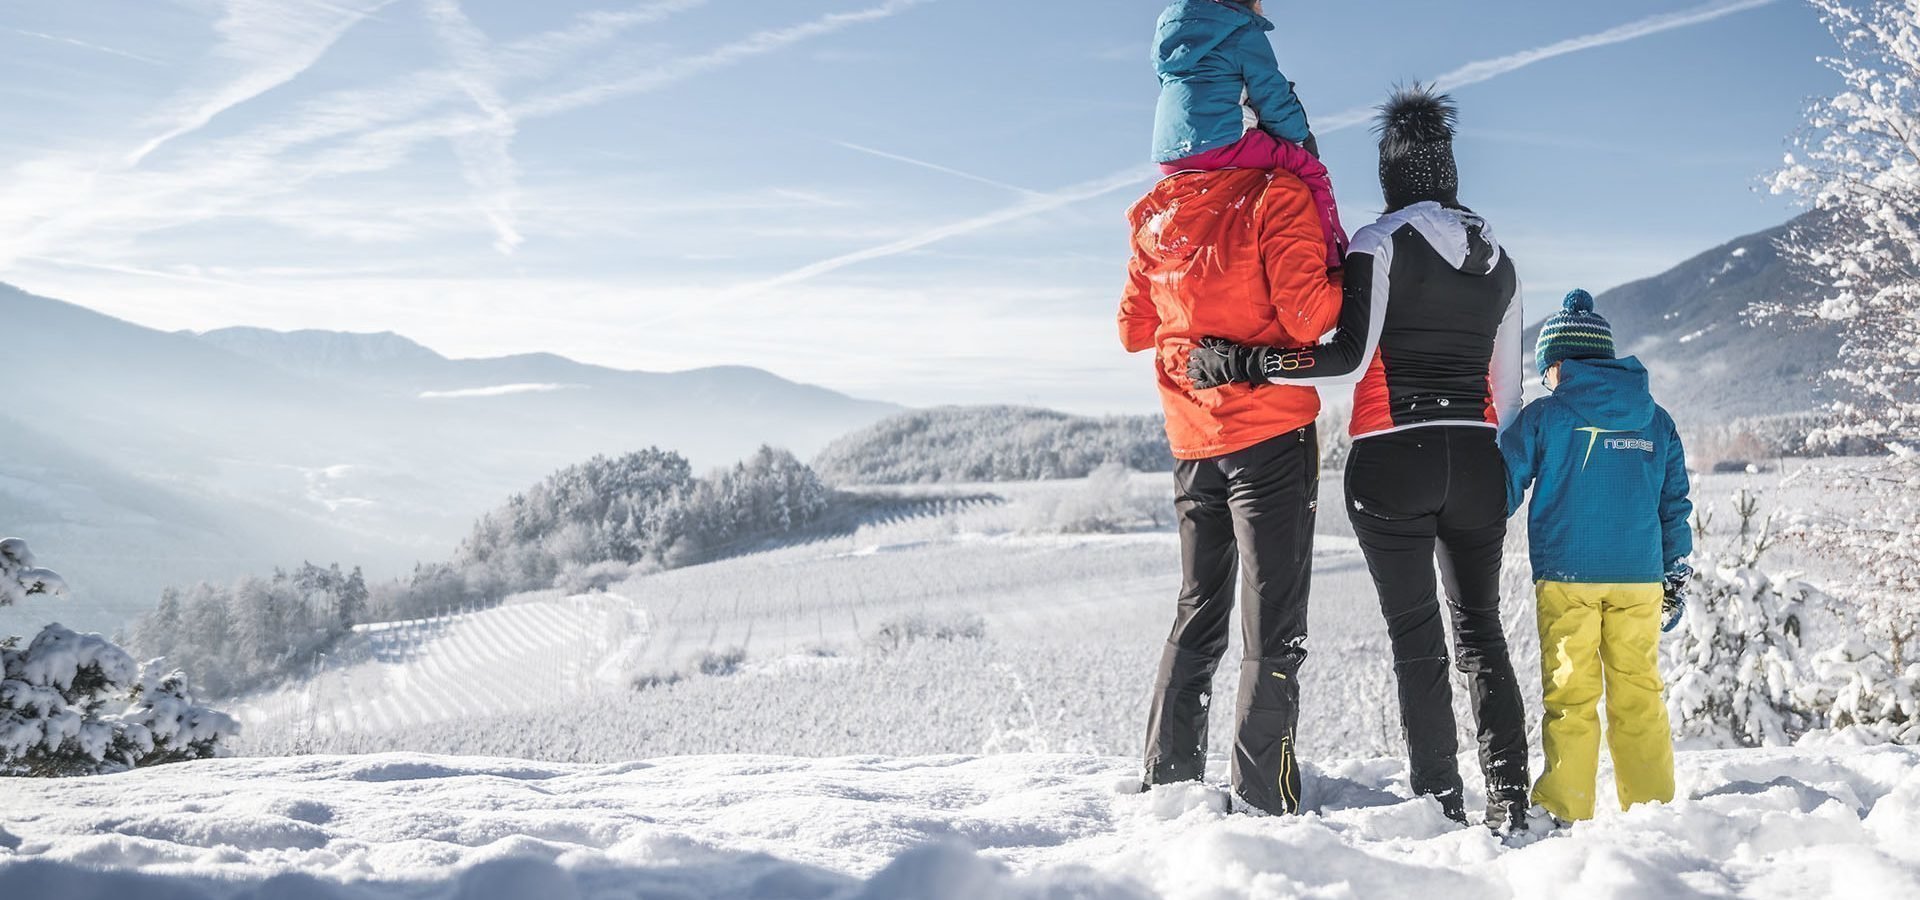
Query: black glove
x,y
1311,146
1674,604
1217,362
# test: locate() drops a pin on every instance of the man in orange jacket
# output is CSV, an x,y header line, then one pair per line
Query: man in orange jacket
x,y
1235,254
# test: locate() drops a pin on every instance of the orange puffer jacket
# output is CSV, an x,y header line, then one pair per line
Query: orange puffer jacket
x,y
1235,254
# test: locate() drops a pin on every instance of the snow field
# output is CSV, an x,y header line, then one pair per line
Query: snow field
x,y
1801,823
1072,629
776,652
494,661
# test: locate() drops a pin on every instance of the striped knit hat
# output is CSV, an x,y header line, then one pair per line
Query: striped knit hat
x,y
1575,332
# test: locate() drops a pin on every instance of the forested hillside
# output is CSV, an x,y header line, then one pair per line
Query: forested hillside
x,y
992,443
583,526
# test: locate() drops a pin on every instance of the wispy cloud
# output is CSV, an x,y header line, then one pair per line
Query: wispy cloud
x,y
594,28
673,71
97,48
109,204
1469,74
935,167
1035,205
485,152
269,44
498,390
1488,69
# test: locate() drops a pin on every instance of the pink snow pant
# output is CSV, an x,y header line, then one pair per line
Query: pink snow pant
x,y
1260,150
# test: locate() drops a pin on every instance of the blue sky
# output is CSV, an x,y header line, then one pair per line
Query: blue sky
x,y
912,200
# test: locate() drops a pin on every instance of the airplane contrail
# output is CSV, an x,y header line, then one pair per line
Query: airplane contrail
x,y
1469,74
947,170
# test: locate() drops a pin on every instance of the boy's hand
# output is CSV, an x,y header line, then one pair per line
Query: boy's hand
x,y
1217,362
1674,604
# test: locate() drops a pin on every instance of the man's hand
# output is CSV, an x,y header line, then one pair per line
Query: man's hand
x,y
1311,145
1674,604
1217,362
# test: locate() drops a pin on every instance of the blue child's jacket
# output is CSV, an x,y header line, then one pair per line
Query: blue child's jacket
x,y
1206,52
1610,478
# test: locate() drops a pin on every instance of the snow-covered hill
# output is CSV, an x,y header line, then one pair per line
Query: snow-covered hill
x,y
990,630
1710,361
1794,823
942,706
209,457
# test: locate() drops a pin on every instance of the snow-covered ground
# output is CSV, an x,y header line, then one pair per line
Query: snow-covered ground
x,y
1790,823
982,630
942,707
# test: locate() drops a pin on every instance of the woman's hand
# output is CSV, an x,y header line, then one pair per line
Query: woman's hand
x,y
1218,362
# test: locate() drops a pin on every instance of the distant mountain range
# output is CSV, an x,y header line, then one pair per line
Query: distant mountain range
x,y
133,458
1710,363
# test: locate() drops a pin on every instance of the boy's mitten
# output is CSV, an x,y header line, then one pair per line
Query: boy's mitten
x,y
1218,362
1311,145
1674,605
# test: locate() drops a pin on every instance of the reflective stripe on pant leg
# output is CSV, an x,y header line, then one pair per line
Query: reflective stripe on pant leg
x,y
1571,681
1638,735
1273,487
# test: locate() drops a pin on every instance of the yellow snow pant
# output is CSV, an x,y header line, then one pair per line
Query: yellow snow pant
x,y
1593,635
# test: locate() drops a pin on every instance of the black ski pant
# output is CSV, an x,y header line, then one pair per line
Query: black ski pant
x,y
1255,507
1410,493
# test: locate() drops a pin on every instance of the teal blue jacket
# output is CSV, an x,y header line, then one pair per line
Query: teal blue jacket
x,y
1609,478
1206,52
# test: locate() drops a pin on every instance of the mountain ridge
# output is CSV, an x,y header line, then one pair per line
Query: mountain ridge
x,y
364,447
1711,363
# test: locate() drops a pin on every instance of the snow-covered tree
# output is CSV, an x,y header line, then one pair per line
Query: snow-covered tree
x,y
1858,688
76,704
1736,670
1858,162
164,724
20,578
992,443
233,638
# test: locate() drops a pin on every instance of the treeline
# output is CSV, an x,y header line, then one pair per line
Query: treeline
x,y
993,443
586,525
607,518
255,631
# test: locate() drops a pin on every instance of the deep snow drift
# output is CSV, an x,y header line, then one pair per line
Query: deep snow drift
x,y
1801,823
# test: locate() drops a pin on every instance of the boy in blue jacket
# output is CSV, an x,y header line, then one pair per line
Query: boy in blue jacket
x,y
1610,535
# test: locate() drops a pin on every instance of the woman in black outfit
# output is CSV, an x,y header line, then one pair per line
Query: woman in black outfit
x,y
1431,335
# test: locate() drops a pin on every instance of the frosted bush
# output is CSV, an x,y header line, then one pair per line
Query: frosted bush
x,y
711,663
717,663
918,627
576,578
76,704
20,578
1736,671
1860,692
1110,501
164,724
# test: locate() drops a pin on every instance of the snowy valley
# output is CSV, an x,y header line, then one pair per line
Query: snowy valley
x,y
945,704
359,618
